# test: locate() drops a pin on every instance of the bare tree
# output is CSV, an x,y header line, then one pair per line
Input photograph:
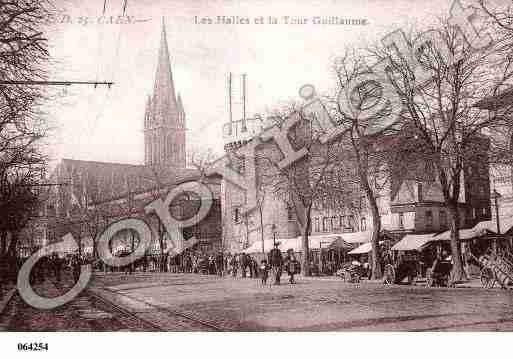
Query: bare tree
x,y
370,151
23,56
440,85
309,180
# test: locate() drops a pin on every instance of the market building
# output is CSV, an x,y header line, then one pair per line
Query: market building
x,y
411,203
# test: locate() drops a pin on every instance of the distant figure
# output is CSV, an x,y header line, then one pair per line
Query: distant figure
x,y
75,265
292,266
264,271
276,262
243,262
220,264
233,264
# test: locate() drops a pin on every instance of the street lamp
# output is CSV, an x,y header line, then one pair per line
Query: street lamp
x,y
273,228
495,196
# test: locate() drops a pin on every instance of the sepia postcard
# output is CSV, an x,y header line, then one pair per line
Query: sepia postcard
x,y
254,166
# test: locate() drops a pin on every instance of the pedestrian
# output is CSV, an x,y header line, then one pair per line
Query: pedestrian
x,y
75,264
254,263
292,266
264,271
220,263
276,262
243,264
234,265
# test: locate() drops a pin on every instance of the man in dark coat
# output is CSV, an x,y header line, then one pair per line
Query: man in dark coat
x,y
220,263
243,264
276,262
292,265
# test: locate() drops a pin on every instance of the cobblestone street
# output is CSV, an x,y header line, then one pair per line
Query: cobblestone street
x,y
191,302
311,304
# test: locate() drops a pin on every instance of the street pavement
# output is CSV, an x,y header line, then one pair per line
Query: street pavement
x,y
193,302
86,312
236,304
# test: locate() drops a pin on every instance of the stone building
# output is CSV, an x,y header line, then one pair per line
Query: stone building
x,y
93,194
411,202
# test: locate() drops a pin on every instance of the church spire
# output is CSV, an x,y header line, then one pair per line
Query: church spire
x,y
181,111
164,98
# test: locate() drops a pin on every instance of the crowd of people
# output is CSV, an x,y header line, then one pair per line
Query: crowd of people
x,y
241,264
218,263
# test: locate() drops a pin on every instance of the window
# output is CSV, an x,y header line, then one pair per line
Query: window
x,y
352,223
290,213
401,220
429,219
236,215
317,225
325,224
363,224
443,219
242,164
342,222
334,223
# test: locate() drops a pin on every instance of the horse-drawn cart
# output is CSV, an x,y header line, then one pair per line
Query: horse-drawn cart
x,y
350,273
496,268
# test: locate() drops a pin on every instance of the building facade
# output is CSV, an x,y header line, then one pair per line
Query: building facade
x,y
410,202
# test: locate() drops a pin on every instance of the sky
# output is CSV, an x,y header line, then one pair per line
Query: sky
x,y
104,124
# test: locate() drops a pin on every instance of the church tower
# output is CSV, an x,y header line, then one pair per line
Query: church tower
x,y
164,118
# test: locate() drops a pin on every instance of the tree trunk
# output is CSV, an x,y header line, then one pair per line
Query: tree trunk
x,y
457,273
3,240
161,245
262,228
305,265
376,228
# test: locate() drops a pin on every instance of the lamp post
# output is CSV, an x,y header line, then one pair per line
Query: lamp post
x,y
273,228
495,196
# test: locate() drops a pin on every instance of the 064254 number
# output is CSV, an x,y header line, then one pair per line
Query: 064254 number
x,y
32,346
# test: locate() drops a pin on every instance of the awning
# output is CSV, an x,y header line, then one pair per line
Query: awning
x,y
412,242
357,237
256,247
506,223
464,234
339,243
364,248
294,243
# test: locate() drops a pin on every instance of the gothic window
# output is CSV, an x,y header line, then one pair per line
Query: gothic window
x,y
363,224
317,225
401,220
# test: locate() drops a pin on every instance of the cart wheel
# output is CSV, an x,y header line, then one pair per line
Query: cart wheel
x,y
487,278
429,278
389,275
